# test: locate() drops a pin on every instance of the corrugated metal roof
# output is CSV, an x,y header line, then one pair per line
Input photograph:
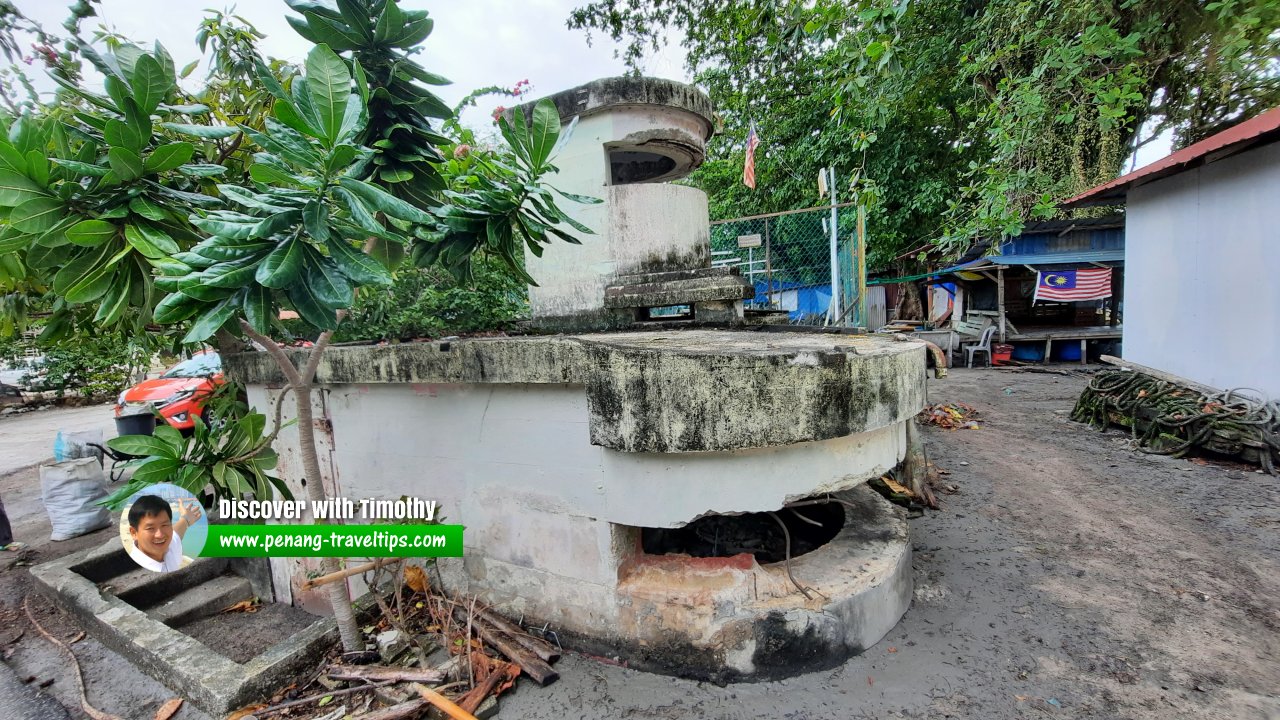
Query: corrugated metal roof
x,y
1082,257
1256,131
1086,257
1098,223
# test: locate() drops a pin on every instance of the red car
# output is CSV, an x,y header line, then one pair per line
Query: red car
x,y
178,395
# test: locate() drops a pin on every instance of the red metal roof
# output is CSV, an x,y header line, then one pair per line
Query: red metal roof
x,y
1255,131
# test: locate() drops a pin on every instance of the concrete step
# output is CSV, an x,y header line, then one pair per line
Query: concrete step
x,y
144,588
207,598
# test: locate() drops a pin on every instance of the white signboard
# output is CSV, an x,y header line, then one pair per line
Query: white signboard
x,y
749,241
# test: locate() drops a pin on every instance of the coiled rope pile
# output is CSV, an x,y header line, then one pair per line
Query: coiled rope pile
x,y
1171,419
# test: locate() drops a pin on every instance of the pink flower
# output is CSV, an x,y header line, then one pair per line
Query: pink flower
x,y
462,151
497,112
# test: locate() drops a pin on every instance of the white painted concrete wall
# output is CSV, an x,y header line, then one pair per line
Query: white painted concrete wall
x,y
635,222
1202,273
514,464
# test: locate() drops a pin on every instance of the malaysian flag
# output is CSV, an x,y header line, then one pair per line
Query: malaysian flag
x,y
1071,285
749,166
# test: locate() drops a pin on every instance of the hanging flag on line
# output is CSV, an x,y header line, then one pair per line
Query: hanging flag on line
x,y
749,165
1071,285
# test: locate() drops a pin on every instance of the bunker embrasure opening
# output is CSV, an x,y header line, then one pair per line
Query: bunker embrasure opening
x,y
760,534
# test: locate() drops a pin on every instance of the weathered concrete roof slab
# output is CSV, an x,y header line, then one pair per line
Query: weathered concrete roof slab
x,y
599,95
672,391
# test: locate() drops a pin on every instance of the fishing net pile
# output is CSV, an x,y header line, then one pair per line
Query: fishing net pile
x,y
1172,419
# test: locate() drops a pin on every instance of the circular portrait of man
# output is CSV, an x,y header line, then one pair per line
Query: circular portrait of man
x,y
163,527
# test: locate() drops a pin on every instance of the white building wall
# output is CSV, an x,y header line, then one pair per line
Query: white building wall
x,y
1202,273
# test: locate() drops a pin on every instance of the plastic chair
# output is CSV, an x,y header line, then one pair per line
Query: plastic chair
x,y
984,345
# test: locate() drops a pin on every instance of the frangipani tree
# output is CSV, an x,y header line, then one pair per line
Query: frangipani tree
x,y
132,217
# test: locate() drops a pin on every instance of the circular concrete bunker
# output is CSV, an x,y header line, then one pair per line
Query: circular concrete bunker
x,y
559,453
556,452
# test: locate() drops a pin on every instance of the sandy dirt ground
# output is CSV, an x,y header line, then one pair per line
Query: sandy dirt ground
x,y
26,440
1071,576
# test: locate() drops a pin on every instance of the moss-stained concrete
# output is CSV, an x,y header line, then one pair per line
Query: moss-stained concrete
x,y
666,392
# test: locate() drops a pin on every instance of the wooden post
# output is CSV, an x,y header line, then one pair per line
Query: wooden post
x,y
1000,299
1117,294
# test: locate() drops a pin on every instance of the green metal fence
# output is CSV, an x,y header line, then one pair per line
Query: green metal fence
x,y
788,257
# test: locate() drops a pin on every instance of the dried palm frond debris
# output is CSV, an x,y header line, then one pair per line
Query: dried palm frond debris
x,y
453,653
951,416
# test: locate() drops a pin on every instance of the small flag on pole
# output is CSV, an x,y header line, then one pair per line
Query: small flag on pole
x,y
1072,285
749,166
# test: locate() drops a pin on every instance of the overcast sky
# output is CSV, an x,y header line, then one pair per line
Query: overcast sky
x,y
476,43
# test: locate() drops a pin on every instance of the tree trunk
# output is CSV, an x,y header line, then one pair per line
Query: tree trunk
x,y
301,383
339,598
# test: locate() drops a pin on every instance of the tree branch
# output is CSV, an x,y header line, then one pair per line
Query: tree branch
x,y
276,352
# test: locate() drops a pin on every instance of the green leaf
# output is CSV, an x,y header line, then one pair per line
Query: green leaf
x,y
74,269
329,85
395,175
327,282
283,265
38,166
11,159
202,170
37,215
150,241
142,446
150,83
204,132
230,275
285,111
358,211
113,304
156,470
119,134
390,21
175,307
257,310
545,130
276,223
290,147
310,307
225,228
208,323
193,478
90,233
358,266
270,175
12,241
125,163
16,189
315,218
168,157
188,69
239,195
233,250
95,283
82,167
383,202
584,199
413,33
171,435
147,209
